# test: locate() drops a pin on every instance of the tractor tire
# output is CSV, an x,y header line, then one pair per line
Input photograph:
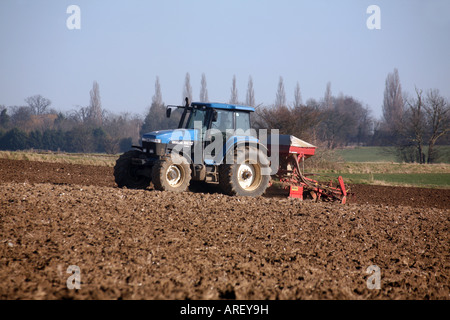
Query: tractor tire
x,y
125,174
243,178
171,174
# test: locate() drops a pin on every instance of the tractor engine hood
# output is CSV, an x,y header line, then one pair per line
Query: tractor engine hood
x,y
171,136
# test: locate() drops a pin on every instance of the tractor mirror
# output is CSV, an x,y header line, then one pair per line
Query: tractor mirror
x,y
214,119
168,112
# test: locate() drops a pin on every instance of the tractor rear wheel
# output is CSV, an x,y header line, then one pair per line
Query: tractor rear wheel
x,y
171,174
126,175
245,176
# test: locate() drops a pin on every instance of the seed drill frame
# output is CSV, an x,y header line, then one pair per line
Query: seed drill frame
x,y
292,154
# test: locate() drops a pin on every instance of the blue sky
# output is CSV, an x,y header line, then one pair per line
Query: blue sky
x,y
125,45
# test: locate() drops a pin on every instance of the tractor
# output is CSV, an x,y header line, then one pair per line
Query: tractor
x,y
213,144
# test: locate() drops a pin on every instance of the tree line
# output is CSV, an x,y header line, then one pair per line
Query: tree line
x,y
414,125
85,129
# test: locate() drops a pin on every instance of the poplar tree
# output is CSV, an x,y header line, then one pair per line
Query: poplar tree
x,y
234,92
297,96
155,118
250,99
187,89
392,102
203,90
280,100
95,106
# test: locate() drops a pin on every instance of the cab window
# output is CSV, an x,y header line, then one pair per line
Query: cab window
x,y
243,120
224,121
197,115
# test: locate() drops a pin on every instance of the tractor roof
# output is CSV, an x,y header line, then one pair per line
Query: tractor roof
x,y
223,106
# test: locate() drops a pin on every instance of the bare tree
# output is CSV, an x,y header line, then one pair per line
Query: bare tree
x,y
234,92
113,127
280,100
157,97
250,99
297,96
156,117
22,117
38,104
393,102
308,118
156,114
328,97
203,90
413,128
344,122
130,125
187,89
4,117
95,105
437,109
300,122
365,126
280,118
423,120
79,115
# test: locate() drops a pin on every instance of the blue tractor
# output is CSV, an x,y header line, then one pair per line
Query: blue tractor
x,y
214,143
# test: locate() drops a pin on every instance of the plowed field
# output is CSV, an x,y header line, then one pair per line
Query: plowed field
x,y
146,244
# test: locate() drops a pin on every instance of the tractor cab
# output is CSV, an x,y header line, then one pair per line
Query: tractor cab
x,y
217,116
203,124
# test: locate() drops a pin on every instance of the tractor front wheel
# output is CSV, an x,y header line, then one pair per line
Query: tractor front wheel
x,y
171,174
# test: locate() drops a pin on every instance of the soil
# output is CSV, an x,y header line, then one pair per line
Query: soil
x,y
146,244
